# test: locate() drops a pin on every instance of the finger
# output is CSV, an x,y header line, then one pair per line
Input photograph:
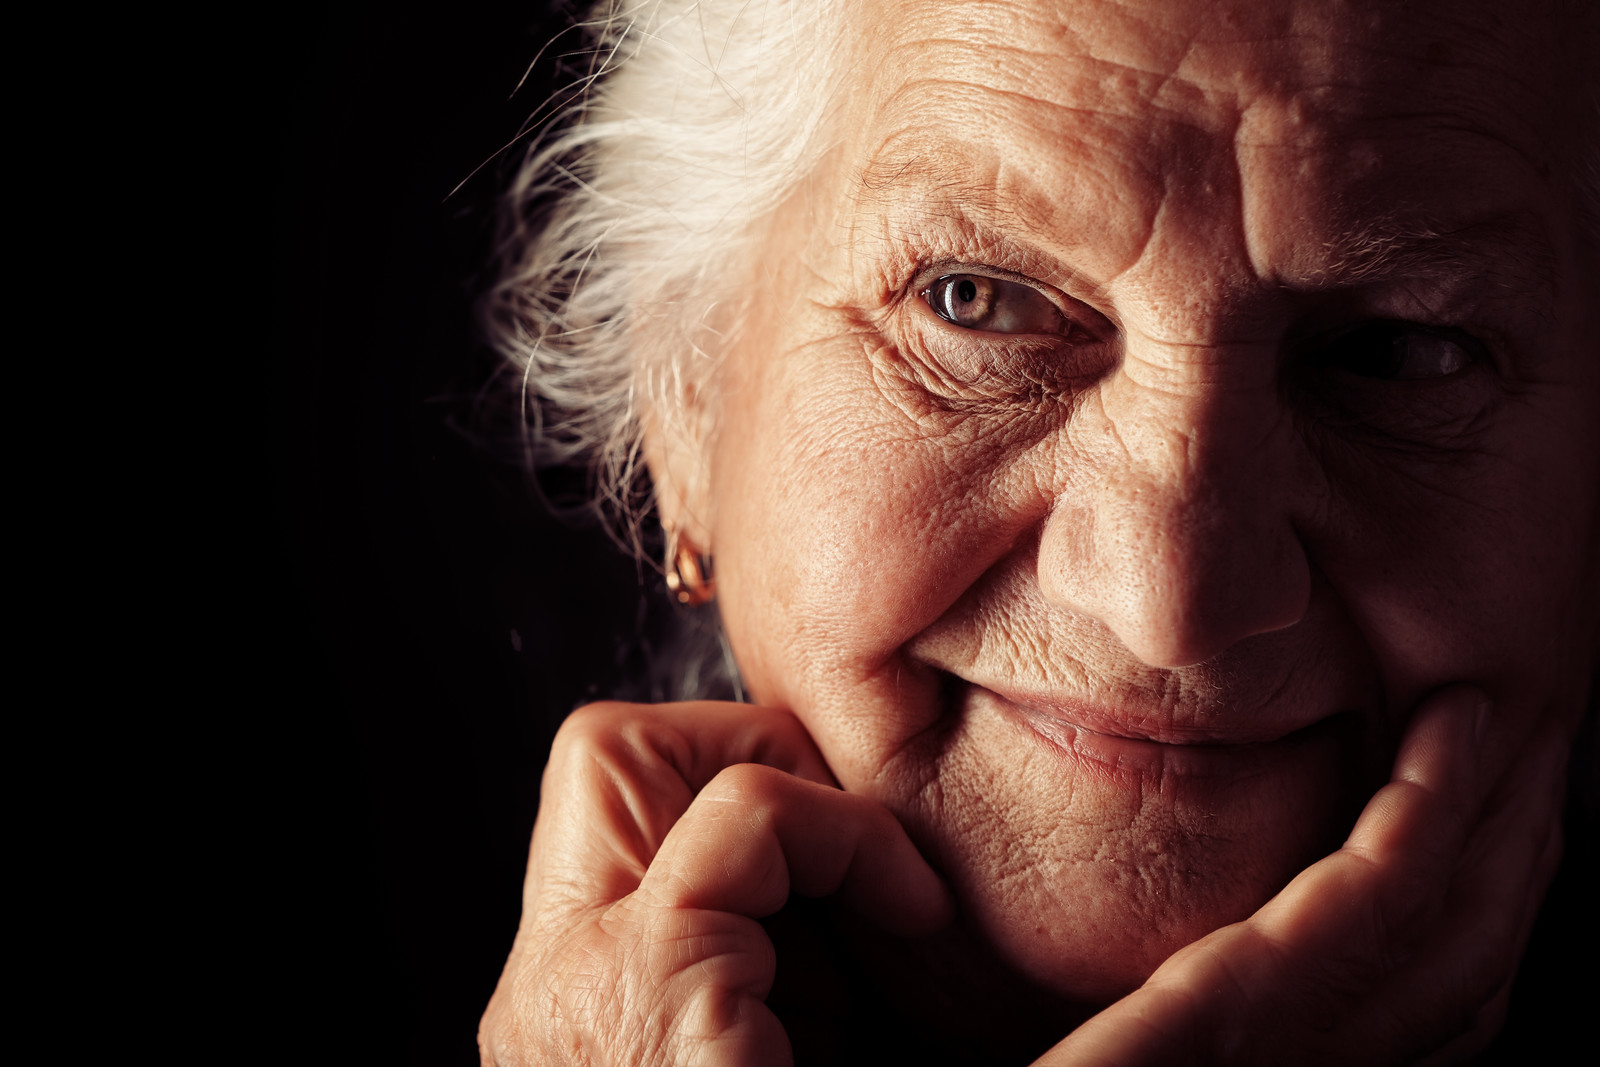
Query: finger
x,y
1459,980
621,775
755,833
1359,911
1156,1024
692,740
698,965
1422,815
677,986
703,737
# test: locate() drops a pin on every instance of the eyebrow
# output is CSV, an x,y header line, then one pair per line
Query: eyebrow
x,y
1505,245
1501,245
916,169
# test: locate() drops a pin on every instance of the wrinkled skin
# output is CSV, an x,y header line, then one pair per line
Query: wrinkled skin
x,y
1123,617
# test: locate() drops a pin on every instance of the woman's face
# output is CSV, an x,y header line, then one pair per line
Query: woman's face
x,y
1135,423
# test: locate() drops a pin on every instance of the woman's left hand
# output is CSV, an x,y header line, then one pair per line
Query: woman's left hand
x,y
1398,948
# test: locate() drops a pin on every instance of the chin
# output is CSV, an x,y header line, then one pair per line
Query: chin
x,y
1085,857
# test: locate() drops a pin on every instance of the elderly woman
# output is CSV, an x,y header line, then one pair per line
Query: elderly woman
x,y
1150,455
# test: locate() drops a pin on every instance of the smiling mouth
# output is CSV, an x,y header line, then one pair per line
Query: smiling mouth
x,y
1099,740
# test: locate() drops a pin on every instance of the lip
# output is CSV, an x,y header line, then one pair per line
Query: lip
x,y
1095,719
1101,741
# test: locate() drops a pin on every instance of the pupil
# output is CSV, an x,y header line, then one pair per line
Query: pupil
x,y
966,291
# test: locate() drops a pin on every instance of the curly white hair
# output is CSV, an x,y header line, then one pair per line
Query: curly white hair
x,y
626,232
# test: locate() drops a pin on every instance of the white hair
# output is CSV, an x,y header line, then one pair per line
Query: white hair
x,y
626,230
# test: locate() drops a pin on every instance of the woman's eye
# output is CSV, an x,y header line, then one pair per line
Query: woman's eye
x,y
1402,351
976,302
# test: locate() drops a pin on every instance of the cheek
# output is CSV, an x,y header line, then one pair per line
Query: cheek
x,y
845,525
1481,572
824,526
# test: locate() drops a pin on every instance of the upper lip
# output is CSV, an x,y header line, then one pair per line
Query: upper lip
x,y
1130,724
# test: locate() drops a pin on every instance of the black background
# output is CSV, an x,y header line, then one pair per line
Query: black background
x,y
401,731
397,729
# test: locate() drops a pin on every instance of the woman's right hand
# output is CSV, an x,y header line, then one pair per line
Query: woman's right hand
x,y
664,833
1398,948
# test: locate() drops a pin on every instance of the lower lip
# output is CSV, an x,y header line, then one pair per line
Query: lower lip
x,y
1144,759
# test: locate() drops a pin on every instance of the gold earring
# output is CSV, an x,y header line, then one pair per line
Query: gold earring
x,y
689,575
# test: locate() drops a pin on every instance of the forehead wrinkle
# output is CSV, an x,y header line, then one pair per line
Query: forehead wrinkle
x,y
936,201
1099,70
906,168
1027,197
914,183
1199,89
1135,152
1111,91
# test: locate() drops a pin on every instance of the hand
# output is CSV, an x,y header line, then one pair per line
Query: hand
x,y
1399,947
663,834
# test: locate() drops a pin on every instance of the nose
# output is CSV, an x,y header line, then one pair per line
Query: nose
x,y
1174,525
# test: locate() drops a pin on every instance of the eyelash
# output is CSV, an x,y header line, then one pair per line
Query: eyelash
x,y
932,271
996,305
972,368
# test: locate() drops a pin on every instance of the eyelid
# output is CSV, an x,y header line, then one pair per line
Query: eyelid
x,y
1077,314
928,275
1319,348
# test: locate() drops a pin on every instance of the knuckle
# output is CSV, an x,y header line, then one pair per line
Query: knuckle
x,y
704,1016
781,735
593,724
748,785
609,740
